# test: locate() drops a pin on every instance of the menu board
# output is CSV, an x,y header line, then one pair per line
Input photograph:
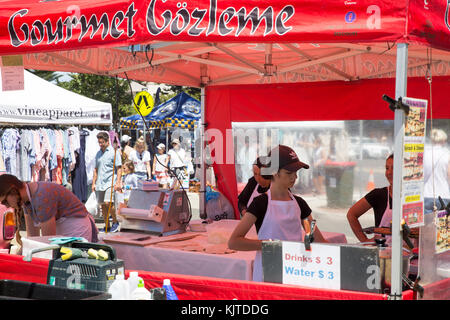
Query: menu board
x,y
412,163
326,266
442,238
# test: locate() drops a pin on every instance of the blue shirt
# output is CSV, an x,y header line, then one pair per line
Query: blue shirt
x,y
104,165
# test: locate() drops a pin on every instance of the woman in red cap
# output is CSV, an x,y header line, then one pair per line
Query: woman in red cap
x,y
277,214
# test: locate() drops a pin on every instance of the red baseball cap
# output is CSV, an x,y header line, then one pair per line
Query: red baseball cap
x,y
287,159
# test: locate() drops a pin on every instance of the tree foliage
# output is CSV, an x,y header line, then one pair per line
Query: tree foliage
x,y
50,76
103,88
172,91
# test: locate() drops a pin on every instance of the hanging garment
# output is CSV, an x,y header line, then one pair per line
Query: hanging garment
x,y
10,140
79,178
26,154
91,150
38,152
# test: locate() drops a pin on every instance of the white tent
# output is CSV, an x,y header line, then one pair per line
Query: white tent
x,y
42,102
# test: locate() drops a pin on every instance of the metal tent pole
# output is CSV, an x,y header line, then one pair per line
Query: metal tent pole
x,y
167,139
399,125
202,204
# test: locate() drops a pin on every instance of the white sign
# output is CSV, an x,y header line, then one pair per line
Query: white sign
x,y
12,78
318,268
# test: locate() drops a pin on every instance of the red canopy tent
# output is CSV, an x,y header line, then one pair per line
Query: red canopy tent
x,y
284,46
286,53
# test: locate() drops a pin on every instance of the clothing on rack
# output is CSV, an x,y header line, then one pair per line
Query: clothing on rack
x,y
50,154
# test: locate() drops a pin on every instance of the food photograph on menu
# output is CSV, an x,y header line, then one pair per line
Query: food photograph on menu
x,y
442,224
415,122
413,166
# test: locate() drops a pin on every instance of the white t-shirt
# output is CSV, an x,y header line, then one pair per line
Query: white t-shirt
x,y
139,160
162,158
441,157
177,158
92,148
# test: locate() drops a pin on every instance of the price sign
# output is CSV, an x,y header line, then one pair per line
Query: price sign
x,y
326,266
319,268
143,103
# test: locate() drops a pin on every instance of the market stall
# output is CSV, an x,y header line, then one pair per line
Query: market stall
x,y
292,45
44,103
190,253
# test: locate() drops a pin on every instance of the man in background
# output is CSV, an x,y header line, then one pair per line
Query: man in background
x,y
107,176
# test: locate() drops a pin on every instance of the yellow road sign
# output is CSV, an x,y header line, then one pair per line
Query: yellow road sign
x,y
143,103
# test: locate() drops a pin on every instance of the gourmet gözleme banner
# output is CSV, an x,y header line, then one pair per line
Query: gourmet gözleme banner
x,y
62,25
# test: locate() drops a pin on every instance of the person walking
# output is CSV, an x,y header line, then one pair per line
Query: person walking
x,y
160,163
177,160
436,165
141,160
107,176
126,147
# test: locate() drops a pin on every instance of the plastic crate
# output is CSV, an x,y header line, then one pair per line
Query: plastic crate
x,y
85,273
21,290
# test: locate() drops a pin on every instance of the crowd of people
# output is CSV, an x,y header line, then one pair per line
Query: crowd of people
x,y
48,208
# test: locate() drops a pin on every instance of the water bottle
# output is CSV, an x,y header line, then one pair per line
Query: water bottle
x,y
170,293
133,281
119,289
141,293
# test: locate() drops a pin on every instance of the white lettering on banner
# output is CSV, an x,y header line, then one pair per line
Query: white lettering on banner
x,y
179,21
38,31
28,114
318,268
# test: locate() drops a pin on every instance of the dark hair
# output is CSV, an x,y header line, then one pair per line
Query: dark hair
x,y
103,135
262,162
391,156
8,181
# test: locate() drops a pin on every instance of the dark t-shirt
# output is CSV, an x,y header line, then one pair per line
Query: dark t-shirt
x,y
258,208
245,195
377,198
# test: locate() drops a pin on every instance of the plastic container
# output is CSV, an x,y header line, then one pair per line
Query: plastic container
x,y
339,183
141,293
170,293
119,289
197,226
133,281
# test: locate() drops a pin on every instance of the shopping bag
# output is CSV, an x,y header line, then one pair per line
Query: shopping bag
x,y
219,207
190,168
91,204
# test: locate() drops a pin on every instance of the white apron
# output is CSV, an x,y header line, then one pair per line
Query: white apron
x,y
386,219
282,222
